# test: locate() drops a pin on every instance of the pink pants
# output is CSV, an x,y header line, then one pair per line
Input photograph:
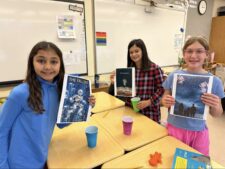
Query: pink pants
x,y
198,140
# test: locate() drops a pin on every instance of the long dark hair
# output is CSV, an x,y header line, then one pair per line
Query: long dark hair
x,y
145,61
35,97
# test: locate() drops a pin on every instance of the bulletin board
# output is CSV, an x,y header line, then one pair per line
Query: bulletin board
x,y
119,22
23,23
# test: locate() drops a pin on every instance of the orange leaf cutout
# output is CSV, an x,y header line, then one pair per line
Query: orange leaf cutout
x,y
155,159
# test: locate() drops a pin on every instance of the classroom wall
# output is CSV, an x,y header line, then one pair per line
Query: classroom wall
x,y
196,25
199,24
4,91
90,36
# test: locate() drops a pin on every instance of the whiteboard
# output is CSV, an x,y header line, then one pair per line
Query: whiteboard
x,y
123,21
23,23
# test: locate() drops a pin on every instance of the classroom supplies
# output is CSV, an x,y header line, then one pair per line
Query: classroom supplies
x,y
155,159
189,160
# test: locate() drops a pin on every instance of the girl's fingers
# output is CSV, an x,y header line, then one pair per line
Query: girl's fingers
x,y
168,101
143,104
210,99
92,100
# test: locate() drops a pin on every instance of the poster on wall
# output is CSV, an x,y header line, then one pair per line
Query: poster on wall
x,y
101,39
66,28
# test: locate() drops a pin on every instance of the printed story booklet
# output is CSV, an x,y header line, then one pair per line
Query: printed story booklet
x,y
74,105
124,84
187,91
189,160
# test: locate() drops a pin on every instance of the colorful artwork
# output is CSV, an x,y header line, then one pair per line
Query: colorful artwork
x,y
66,28
101,39
189,160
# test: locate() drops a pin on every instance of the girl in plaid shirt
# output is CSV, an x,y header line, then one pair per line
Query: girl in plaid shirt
x,y
148,79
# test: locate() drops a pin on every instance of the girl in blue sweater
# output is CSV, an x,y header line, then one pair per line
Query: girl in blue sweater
x,y
28,117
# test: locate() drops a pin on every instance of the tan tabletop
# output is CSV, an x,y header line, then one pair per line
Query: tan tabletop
x,y
68,148
139,158
4,92
144,130
105,101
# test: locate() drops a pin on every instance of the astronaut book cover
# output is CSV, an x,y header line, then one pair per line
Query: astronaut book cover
x,y
74,105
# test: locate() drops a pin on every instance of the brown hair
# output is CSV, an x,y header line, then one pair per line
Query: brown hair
x,y
35,97
198,39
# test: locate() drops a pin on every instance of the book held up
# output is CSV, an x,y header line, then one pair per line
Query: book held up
x,y
187,91
124,84
74,105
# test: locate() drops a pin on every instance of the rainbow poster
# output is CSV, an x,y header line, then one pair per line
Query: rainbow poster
x,y
101,38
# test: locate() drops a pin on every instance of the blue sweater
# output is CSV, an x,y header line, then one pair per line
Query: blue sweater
x,y
24,134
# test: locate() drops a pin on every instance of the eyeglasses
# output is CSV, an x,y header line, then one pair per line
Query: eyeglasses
x,y
197,51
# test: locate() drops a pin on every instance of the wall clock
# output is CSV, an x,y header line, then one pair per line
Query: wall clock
x,y
202,7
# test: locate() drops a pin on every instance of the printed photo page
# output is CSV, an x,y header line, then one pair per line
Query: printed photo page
x,y
187,91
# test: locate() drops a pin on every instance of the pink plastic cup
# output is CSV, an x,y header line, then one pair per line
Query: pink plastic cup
x,y
127,125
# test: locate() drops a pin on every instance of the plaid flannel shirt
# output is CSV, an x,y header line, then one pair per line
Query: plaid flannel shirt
x,y
149,86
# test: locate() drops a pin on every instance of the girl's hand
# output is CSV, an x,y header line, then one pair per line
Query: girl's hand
x,y
214,102
112,77
167,101
92,100
143,104
210,99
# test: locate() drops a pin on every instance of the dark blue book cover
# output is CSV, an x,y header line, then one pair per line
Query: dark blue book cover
x,y
74,105
189,160
187,91
125,82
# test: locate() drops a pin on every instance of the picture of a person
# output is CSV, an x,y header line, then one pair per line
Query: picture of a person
x,y
75,109
192,110
181,109
124,82
78,105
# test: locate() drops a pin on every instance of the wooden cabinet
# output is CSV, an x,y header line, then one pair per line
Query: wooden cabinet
x,y
217,38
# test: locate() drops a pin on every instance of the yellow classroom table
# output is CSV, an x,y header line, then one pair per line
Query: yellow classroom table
x,y
4,92
139,158
144,130
105,101
68,148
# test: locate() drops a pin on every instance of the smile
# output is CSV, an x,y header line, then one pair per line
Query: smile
x,y
47,73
